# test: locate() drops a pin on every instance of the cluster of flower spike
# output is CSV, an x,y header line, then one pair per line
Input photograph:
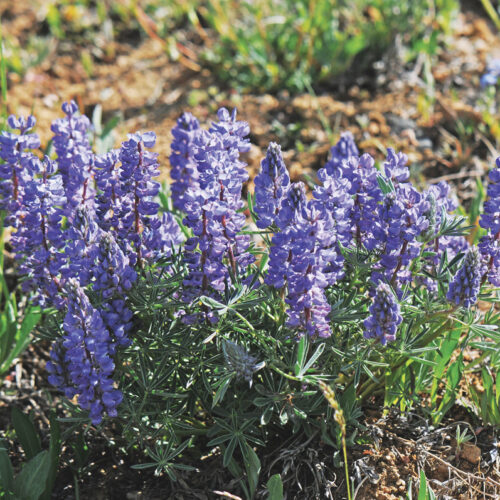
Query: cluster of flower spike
x,y
351,211
83,222
86,225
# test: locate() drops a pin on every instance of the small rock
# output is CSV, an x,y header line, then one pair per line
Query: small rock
x,y
425,143
373,128
470,452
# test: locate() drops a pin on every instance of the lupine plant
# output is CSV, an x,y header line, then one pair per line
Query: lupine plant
x,y
220,324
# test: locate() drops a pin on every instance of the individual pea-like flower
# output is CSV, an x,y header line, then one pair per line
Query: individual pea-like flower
x,y
465,285
489,246
385,316
86,357
74,156
16,170
271,185
240,361
342,151
395,167
183,170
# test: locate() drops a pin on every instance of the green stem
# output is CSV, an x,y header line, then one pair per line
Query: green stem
x,y
286,375
77,487
348,485
373,386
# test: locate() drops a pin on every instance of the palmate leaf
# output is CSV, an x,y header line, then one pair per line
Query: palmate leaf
x,y
453,225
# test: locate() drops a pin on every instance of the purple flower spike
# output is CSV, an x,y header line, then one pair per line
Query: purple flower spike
x,y
88,357
212,206
82,240
16,172
280,254
38,240
385,316
234,133
108,201
271,185
401,220
465,285
184,171
113,276
342,151
315,263
395,167
489,245
138,192
74,156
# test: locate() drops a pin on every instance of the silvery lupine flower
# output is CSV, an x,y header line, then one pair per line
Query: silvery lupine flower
x,y
87,357
59,375
183,170
271,185
440,202
489,246
112,278
240,361
212,210
234,135
401,220
291,205
315,264
108,200
161,236
356,219
305,256
74,157
465,285
38,239
82,240
138,192
16,170
342,151
395,167
280,254
385,316
492,73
